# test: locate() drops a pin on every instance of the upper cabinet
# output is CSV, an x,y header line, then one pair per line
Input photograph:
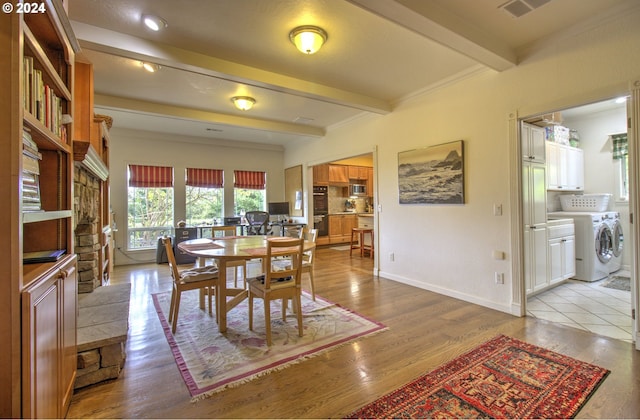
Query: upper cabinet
x,y
321,174
533,142
565,167
339,174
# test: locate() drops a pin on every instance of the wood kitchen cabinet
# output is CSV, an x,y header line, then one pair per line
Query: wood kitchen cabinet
x,y
359,173
340,226
339,174
321,174
38,305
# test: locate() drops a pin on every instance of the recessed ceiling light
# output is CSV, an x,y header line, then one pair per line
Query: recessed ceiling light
x,y
151,67
154,23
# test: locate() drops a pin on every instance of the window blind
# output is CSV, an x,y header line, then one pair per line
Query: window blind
x,y
252,180
150,176
205,178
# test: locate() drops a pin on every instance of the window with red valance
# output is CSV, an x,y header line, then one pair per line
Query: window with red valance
x,y
205,178
146,176
251,180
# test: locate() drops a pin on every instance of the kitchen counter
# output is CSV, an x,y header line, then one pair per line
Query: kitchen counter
x,y
352,212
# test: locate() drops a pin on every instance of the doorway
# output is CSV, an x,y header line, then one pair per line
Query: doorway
x,y
590,303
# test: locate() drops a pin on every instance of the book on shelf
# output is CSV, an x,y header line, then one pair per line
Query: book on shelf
x,y
43,256
30,164
40,99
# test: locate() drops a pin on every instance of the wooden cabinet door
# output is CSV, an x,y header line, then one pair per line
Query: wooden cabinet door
x,y
348,223
40,350
321,174
339,174
335,226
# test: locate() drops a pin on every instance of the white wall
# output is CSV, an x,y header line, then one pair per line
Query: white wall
x,y
145,148
447,248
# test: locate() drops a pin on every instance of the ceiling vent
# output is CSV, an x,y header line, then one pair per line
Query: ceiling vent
x,y
518,8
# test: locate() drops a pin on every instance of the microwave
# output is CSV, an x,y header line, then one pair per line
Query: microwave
x,y
358,189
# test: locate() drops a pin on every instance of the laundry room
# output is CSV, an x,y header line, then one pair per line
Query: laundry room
x,y
575,250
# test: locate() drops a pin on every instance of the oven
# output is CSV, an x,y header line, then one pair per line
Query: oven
x,y
321,209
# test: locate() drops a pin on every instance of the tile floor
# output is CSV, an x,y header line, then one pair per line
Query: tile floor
x,y
588,306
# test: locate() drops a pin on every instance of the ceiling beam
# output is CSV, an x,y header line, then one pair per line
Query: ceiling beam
x,y
153,108
122,45
445,28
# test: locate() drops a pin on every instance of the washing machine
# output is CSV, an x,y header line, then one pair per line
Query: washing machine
x,y
593,243
617,240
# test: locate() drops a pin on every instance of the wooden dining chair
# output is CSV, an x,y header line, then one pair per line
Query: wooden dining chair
x,y
226,231
308,257
189,279
279,281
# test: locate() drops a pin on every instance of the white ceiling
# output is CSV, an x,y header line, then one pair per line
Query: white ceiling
x,y
378,53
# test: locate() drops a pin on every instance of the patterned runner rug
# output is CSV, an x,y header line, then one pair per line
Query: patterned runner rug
x,y
502,378
210,362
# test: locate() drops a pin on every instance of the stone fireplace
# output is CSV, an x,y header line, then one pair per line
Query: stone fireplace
x,y
88,228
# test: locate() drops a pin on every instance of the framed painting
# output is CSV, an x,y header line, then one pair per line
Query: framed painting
x,y
432,175
293,190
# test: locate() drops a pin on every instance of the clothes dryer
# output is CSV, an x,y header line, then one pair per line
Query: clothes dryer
x,y
617,240
593,243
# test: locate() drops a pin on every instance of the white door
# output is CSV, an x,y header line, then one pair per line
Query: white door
x,y
633,133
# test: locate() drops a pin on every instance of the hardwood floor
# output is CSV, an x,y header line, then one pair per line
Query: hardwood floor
x,y
425,330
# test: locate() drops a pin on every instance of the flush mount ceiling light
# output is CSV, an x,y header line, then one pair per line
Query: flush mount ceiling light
x,y
154,22
243,103
308,39
150,67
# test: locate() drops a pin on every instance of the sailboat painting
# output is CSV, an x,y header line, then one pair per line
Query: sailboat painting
x,y
432,175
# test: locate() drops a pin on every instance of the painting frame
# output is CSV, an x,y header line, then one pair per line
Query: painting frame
x,y
293,190
432,175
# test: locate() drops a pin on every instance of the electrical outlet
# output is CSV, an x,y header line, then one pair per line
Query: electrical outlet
x,y
499,278
392,257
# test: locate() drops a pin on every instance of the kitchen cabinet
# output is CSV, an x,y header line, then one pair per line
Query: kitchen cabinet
x,y
340,226
533,143
38,305
369,182
321,174
565,167
359,173
535,233
562,251
339,174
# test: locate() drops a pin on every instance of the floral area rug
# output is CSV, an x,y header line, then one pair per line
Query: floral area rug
x,y
210,361
502,378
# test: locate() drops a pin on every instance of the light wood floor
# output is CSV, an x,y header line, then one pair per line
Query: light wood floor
x,y
425,330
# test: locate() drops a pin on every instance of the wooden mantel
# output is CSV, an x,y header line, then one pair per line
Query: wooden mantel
x,y
84,152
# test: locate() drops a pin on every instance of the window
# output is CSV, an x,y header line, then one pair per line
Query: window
x,y
150,205
621,155
205,195
249,191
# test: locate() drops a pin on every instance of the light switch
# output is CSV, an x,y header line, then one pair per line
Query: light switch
x,y
497,209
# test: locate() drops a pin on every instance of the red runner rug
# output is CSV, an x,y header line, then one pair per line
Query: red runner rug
x,y
502,378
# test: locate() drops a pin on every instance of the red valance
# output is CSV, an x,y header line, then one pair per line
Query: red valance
x,y
150,176
205,178
251,180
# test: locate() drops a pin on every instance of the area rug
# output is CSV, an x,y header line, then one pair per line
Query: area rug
x,y
618,283
211,362
502,378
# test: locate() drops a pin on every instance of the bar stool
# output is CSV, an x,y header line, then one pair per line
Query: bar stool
x,y
357,241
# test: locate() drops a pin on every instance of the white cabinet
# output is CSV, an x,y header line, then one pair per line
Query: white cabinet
x,y
562,252
565,167
533,143
535,232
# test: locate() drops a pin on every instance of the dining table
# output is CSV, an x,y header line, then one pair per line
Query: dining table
x,y
224,250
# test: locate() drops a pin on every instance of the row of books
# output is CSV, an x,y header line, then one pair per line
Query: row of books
x,y
30,173
40,99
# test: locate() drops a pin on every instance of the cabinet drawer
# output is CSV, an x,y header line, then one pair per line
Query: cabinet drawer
x,y
561,231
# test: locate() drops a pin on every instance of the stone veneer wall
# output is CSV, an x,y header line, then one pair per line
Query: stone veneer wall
x,y
86,189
